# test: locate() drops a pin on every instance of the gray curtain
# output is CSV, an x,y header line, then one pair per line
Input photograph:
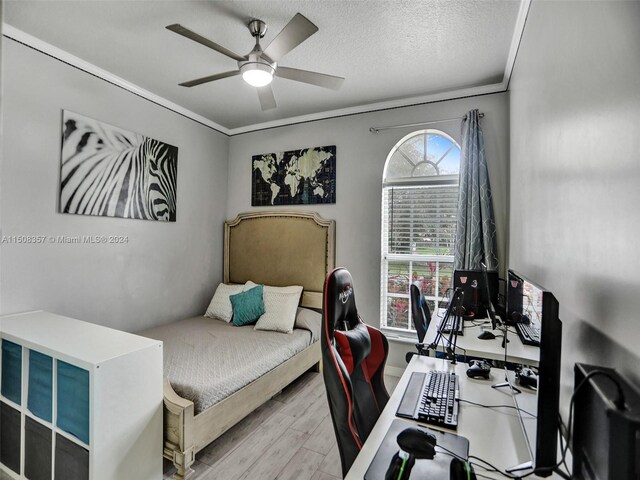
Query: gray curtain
x,y
476,226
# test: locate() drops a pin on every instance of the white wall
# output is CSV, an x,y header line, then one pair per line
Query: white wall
x,y
1,133
166,271
575,172
360,160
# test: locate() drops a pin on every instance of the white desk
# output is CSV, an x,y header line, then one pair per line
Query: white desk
x,y
517,352
494,435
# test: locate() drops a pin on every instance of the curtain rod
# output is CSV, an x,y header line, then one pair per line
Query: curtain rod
x,y
391,127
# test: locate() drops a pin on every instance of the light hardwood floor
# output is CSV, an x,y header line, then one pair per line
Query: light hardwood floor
x,y
288,438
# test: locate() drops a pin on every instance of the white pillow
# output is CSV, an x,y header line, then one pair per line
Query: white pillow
x,y
220,306
280,305
249,285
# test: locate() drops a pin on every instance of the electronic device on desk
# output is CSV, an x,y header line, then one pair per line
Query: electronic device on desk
x,y
449,343
606,425
425,454
541,431
491,312
448,326
527,377
486,335
432,398
479,289
489,305
453,318
525,305
528,334
479,368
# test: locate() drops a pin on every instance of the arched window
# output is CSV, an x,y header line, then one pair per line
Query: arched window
x,y
419,210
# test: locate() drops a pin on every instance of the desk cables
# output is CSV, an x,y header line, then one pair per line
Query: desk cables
x,y
497,406
564,446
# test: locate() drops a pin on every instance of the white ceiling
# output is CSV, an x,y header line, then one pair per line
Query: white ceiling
x,y
386,50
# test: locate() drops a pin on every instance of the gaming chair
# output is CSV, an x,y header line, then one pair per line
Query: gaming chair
x,y
353,358
419,312
421,317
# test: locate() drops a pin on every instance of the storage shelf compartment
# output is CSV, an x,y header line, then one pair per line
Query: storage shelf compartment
x,y
72,461
11,380
73,400
10,437
40,387
37,450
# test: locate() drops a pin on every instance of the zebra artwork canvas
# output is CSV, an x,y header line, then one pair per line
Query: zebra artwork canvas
x,y
109,171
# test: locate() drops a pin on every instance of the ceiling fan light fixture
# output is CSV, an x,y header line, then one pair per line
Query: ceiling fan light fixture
x,y
257,74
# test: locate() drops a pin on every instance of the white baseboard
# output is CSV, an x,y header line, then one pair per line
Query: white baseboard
x,y
393,371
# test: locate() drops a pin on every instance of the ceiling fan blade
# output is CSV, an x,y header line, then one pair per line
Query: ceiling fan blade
x,y
293,34
314,78
267,100
185,32
210,78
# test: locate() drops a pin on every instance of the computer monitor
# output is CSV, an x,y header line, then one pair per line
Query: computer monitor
x,y
476,297
524,300
541,432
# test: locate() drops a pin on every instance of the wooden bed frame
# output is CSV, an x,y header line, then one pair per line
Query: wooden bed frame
x,y
273,248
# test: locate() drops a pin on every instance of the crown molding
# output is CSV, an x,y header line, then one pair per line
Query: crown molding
x,y
502,86
373,107
59,54
19,36
518,31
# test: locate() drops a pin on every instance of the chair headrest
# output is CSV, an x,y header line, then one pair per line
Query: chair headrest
x,y
340,304
353,345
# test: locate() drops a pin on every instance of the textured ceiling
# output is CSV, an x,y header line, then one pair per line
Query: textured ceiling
x,y
386,50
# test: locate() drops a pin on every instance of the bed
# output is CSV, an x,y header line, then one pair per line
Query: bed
x,y
271,248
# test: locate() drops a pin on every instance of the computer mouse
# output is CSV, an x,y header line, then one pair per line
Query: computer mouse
x,y
486,335
460,470
417,442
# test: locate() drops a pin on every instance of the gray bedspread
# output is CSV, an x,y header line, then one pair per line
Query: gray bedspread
x,y
207,360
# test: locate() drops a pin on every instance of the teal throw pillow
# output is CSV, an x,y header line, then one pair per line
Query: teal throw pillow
x,y
248,306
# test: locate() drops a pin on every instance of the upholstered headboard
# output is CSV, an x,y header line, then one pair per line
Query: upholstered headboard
x,y
280,248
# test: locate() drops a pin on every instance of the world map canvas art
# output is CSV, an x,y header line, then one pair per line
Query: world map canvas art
x,y
306,176
112,172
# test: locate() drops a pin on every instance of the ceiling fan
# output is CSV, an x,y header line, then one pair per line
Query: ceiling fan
x,y
259,66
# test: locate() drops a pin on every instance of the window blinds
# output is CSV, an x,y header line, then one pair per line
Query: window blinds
x,y
419,220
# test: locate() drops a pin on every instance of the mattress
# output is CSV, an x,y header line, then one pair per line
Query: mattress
x,y
206,360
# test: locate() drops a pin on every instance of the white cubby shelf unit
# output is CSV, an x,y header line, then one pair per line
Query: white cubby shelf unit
x,y
78,401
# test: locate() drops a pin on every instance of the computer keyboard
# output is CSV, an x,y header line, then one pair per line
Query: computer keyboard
x,y
529,335
431,398
447,326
